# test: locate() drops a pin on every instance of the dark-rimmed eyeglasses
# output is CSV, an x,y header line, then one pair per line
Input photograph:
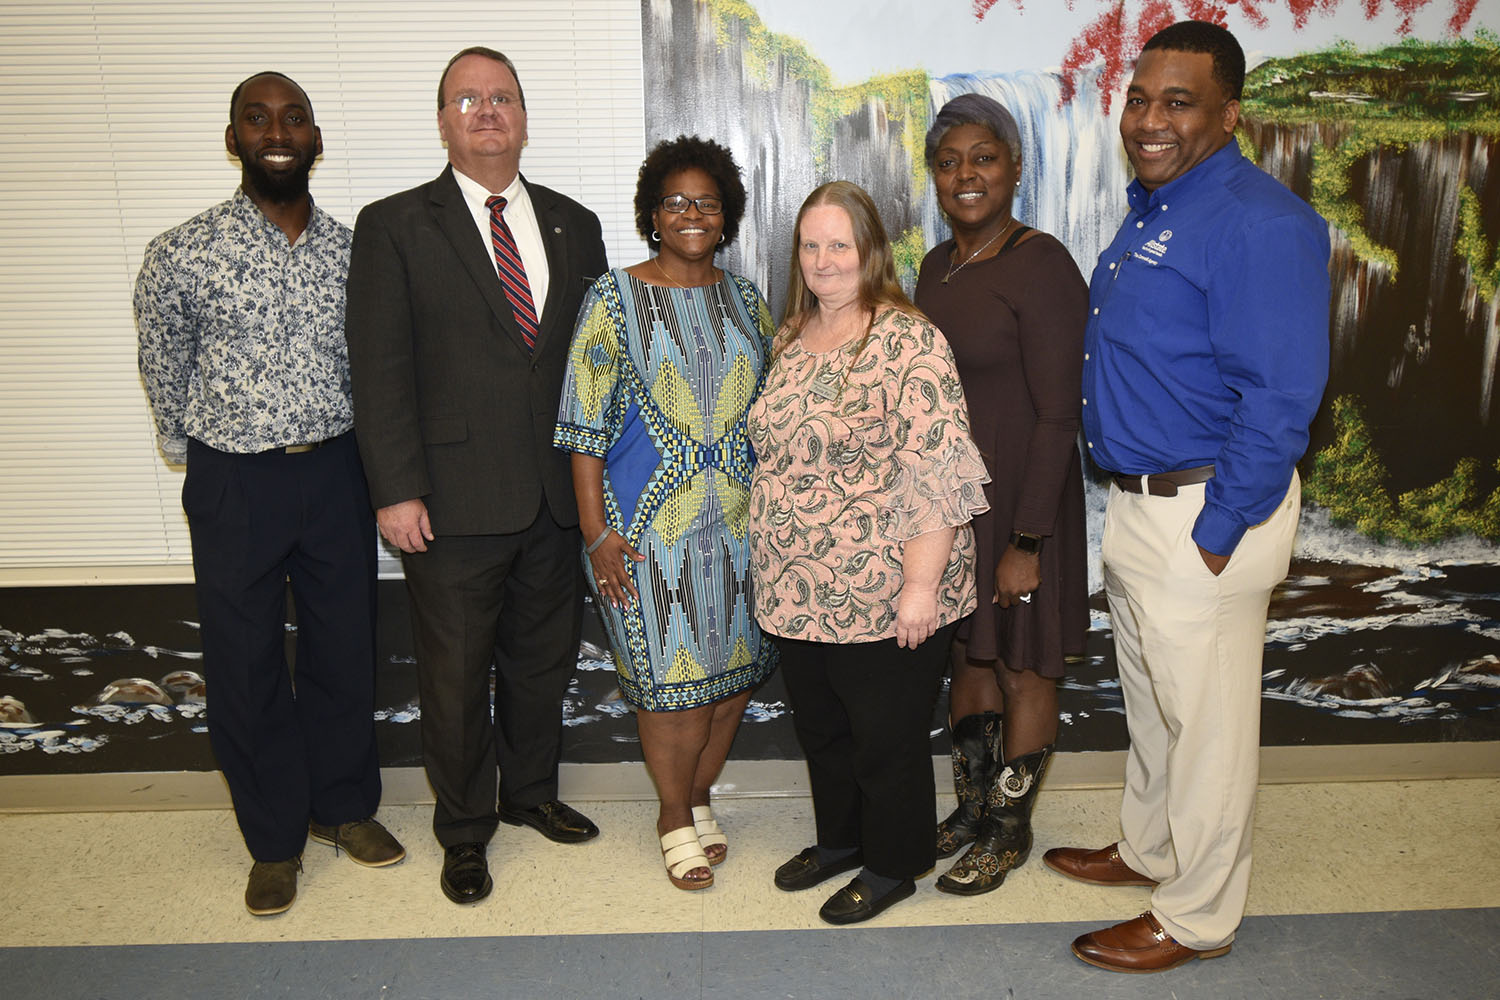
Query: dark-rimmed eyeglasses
x,y
677,204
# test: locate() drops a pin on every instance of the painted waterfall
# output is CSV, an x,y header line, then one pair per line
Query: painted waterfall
x,y
1388,629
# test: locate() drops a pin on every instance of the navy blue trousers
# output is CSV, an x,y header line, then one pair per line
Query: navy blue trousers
x,y
295,744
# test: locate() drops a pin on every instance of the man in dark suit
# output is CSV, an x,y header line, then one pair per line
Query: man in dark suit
x,y
462,297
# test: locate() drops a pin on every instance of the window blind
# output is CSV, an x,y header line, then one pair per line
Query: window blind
x,y
112,117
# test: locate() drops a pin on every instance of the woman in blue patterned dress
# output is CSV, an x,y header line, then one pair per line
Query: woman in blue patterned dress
x,y
668,355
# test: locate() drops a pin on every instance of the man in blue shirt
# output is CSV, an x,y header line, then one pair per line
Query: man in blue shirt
x,y
1205,359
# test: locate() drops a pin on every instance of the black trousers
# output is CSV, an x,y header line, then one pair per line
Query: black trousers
x,y
862,713
501,609
301,745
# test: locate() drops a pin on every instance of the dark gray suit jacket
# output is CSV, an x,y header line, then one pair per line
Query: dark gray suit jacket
x,y
449,405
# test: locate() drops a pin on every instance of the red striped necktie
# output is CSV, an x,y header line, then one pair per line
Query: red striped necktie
x,y
512,271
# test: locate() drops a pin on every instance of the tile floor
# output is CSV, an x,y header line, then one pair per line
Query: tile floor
x,y
1360,889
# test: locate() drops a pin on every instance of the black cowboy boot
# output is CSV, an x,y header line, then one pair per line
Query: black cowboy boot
x,y
1004,838
976,757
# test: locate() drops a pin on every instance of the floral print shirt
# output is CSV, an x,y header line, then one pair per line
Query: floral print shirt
x,y
242,334
856,455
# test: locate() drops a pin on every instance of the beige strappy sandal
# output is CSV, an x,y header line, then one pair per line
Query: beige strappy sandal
x,y
681,853
710,834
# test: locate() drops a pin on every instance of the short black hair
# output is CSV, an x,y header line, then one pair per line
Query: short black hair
x,y
234,98
1204,36
488,53
683,153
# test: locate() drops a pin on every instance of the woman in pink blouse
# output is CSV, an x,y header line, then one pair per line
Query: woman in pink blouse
x,y
862,557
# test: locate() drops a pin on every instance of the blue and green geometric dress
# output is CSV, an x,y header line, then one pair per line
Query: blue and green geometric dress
x,y
658,383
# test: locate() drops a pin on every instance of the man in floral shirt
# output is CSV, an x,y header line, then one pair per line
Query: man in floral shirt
x,y
240,312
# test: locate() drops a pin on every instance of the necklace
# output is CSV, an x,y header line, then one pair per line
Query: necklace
x,y
714,274
968,260
657,262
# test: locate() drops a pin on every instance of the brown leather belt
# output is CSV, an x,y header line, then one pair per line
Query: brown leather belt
x,y
1163,484
302,449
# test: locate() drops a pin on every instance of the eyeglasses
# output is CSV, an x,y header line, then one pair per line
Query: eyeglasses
x,y
468,102
677,204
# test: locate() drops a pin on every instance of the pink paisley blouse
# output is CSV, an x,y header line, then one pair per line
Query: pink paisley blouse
x,y
854,457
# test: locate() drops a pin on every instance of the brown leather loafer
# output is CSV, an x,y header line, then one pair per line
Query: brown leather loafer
x,y
1138,945
1101,867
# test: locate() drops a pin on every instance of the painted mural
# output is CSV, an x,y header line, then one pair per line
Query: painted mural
x,y
1385,116
1388,628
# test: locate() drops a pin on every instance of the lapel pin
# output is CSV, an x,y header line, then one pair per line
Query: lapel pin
x,y
557,229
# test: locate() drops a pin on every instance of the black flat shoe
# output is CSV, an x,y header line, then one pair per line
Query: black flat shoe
x,y
554,820
852,904
805,870
466,874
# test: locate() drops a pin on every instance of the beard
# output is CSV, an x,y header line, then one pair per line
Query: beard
x,y
280,187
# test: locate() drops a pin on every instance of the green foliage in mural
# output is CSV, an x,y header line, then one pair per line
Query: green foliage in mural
x,y
906,102
908,252
771,56
1474,248
1349,479
767,50
1412,92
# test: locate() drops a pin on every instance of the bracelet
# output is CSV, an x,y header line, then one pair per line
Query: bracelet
x,y
597,542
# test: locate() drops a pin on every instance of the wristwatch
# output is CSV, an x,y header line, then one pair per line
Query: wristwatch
x,y
1028,543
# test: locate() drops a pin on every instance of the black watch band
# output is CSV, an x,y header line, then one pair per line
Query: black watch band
x,y
1030,544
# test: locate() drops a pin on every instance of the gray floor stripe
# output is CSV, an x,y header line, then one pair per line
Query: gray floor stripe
x,y
1411,955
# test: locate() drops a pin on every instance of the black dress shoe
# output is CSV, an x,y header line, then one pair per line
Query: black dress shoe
x,y
554,820
852,904
466,875
805,870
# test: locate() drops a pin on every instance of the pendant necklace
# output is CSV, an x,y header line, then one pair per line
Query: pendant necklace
x,y
954,270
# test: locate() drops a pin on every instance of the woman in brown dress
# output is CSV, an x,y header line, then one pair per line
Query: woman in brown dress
x,y
1013,305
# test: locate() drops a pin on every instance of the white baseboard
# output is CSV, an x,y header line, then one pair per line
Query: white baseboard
x,y
747,778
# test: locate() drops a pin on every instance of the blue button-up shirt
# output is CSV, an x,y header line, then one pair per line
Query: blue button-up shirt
x,y
1207,340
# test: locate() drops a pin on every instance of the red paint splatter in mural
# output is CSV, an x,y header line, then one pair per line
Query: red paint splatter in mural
x,y
1302,9
982,7
1462,11
1112,39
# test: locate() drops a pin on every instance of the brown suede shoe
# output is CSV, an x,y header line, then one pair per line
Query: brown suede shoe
x,y
1138,945
365,841
272,887
1101,867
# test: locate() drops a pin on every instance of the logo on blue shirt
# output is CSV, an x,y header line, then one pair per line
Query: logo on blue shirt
x,y
1158,246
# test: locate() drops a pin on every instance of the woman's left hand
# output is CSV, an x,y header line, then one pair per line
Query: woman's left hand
x,y
1018,575
916,616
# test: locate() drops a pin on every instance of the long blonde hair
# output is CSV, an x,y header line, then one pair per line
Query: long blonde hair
x,y
878,288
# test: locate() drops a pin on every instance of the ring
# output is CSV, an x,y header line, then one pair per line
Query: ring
x,y
602,580
1026,598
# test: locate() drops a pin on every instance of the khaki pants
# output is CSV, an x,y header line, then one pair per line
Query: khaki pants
x,y
1189,648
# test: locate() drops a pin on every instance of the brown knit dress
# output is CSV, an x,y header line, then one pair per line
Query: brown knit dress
x,y
1015,323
